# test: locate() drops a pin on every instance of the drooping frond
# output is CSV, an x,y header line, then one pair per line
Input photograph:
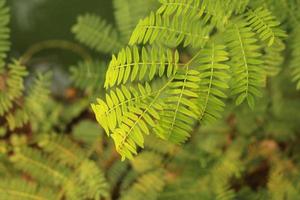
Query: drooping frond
x,y
88,76
132,64
116,172
91,181
247,64
213,81
273,57
34,103
11,85
4,32
129,12
264,24
20,189
181,110
129,114
170,30
109,114
37,98
94,32
276,7
147,186
135,123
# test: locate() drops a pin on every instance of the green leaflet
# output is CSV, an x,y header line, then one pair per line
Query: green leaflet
x,y
129,134
148,186
191,8
214,76
129,12
295,66
170,30
13,85
61,163
20,189
223,53
88,75
119,102
264,24
96,33
177,118
273,57
4,33
247,63
132,64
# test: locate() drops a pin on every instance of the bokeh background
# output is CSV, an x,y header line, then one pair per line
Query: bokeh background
x,y
32,20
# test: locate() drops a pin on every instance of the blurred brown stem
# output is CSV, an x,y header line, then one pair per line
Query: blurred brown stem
x,y
55,44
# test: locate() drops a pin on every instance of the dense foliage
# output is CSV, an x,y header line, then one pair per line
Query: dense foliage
x,y
199,97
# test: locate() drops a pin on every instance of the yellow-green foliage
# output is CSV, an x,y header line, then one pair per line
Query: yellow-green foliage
x,y
172,103
227,53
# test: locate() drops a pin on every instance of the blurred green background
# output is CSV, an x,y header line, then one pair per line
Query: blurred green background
x,y
32,20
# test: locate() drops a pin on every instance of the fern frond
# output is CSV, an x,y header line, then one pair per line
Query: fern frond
x,y
16,119
116,172
94,32
129,134
129,12
237,6
264,24
218,12
20,189
33,106
11,85
181,110
273,57
155,144
87,132
91,181
37,98
40,166
147,186
146,161
193,8
77,179
170,30
63,149
132,64
246,61
280,186
89,178
295,62
4,33
88,75
221,173
214,76
109,114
